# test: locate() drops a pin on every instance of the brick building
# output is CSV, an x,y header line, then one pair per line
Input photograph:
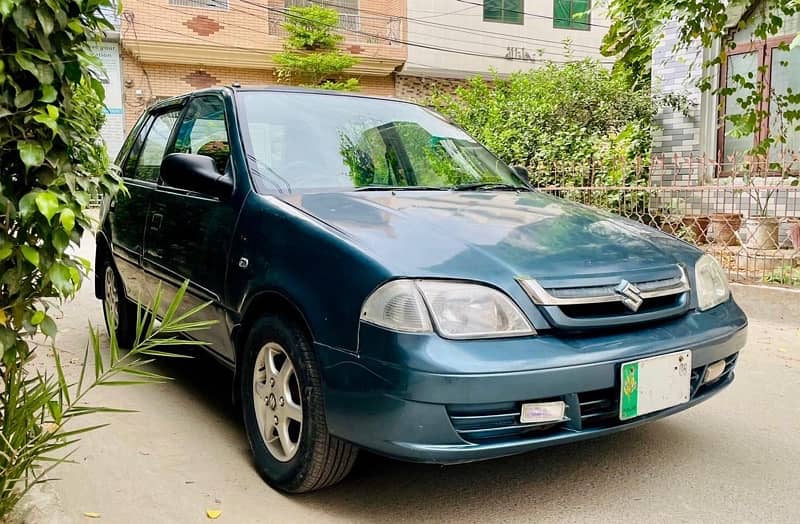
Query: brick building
x,y
174,46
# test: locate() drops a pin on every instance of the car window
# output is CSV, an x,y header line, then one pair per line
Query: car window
x,y
304,141
203,131
132,144
148,165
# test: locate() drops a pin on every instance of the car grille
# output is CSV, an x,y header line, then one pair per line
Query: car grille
x,y
586,410
597,302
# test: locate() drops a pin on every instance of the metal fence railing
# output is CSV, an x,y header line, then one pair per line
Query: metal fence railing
x,y
355,26
747,216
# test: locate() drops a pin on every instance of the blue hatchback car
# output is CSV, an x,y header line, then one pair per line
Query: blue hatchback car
x,y
382,281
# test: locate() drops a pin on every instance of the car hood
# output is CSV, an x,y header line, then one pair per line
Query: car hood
x,y
479,234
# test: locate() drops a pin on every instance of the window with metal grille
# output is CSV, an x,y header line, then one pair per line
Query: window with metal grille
x,y
572,14
204,4
348,10
505,11
774,65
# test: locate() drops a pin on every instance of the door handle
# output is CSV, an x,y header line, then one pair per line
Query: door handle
x,y
155,221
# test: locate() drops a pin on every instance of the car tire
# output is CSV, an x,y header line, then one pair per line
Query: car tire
x,y
116,303
294,456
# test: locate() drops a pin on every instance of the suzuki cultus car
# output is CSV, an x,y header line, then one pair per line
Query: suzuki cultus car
x,y
381,281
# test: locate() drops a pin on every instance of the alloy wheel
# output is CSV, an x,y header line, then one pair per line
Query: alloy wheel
x,y
277,402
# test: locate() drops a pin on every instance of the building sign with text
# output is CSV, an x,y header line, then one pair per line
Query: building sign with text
x,y
113,130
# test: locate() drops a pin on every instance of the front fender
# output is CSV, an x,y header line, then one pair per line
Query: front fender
x,y
314,267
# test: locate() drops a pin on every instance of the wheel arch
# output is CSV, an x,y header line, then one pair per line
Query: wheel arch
x,y
268,302
102,253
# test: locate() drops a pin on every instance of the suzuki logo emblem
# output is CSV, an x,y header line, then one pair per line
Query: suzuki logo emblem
x,y
631,295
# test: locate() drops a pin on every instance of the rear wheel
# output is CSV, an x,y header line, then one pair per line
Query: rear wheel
x,y
283,411
118,308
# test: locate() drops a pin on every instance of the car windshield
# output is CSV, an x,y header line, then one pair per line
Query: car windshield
x,y
305,141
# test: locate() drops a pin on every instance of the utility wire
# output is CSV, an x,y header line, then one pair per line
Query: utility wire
x,y
380,37
562,52
383,16
467,30
385,38
536,15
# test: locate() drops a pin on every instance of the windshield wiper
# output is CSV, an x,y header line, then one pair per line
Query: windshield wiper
x,y
377,187
489,185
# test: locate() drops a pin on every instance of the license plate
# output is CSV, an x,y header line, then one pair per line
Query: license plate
x,y
655,383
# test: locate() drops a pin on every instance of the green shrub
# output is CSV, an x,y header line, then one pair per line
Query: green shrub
x,y
570,124
311,56
52,166
786,275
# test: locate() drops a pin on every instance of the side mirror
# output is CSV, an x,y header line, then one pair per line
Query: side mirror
x,y
522,174
196,173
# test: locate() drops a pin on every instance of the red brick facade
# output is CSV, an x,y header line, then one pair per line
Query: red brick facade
x,y
169,50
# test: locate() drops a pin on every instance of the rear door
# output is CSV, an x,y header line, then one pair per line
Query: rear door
x,y
189,233
128,213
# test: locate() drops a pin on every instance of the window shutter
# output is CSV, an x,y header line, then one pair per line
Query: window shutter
x,y
513,11
580,7
493,9
561,13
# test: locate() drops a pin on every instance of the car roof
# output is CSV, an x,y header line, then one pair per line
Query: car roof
x,y
270,89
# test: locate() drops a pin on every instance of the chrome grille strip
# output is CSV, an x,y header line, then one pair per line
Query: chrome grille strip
x,y
599,294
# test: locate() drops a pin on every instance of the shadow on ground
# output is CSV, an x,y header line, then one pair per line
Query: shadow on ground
x,y
382,489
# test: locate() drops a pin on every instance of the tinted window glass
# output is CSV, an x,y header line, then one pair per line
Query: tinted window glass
x,y
572,14
132,143
508,11
149,164
314,141
740,65
785,82
203,131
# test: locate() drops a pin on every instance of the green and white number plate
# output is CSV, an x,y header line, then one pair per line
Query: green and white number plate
x,y
653,384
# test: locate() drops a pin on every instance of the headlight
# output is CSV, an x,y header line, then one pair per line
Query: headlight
x,y
398,306
457,309
711,283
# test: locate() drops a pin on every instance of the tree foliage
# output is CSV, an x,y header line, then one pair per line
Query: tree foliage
x,y
637,28
311,56
52,162
52,165
577,112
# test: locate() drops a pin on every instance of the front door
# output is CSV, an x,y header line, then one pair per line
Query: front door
x,y
128,213
189,234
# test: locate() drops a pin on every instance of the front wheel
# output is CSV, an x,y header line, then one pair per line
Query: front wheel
x,y
283,411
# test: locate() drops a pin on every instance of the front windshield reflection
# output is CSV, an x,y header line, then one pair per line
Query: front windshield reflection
x,y
318,141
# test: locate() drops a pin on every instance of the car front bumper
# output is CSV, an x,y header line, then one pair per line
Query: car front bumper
x,y
426,399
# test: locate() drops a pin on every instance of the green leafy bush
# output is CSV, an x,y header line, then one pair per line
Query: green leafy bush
x,y
638,27
311,56
785,275
570,124
52,166
52,162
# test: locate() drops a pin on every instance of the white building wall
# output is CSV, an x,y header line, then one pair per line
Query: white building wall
x,y
532,43
113,129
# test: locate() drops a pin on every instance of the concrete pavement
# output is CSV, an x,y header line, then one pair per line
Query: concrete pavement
x,y
735,458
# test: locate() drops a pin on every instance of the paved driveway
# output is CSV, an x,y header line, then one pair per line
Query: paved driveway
x,y
734,458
